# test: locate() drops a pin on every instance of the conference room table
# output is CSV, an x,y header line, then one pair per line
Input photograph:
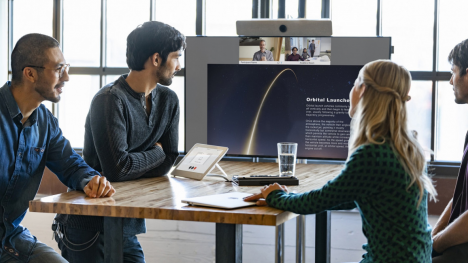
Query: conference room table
x,y
160,198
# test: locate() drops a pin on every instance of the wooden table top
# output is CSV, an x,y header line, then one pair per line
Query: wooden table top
x,y
160,198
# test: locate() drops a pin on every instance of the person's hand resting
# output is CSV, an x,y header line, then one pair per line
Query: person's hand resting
x,y
158,144
99,187
265,191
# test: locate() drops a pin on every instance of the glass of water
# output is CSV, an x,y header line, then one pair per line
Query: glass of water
x,y
287,152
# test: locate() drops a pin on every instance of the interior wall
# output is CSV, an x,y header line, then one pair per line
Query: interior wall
x,y
325,43
305,44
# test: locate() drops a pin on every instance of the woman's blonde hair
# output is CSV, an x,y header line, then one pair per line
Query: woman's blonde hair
x,y
381,115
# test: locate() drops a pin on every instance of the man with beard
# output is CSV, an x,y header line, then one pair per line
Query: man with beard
x,y
30,140
450,234
263,54
131,132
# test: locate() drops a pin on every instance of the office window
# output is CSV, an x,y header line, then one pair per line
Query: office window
x,y
411,26
274,9
48,105
292,10
451,125
354,17
180,14
74,105
409,23
314,9
82,37
110,78
221,16
419,112
122,18
4,40
32,16
452,18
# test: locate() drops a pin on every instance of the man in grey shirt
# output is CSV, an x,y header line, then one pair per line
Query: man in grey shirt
x,y
131,132
263,54
312,48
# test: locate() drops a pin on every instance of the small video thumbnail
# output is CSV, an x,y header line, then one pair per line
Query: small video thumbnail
x,y
285,50
262,49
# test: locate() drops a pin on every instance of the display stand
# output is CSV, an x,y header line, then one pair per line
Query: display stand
x,y
200,161
224,175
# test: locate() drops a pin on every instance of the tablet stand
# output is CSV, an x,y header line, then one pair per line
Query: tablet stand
x,y
224,175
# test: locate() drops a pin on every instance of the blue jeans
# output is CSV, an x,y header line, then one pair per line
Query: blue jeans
x,y
40,254
78,246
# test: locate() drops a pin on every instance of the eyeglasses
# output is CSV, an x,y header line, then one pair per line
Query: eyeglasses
x,y
60,70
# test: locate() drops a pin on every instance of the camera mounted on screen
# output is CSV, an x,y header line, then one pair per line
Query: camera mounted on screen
x,y
284,27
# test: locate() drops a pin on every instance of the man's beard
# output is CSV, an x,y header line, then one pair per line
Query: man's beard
x,y
458,101
41,88
164,76
460,89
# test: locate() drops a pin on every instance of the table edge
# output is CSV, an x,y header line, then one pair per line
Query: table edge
x,y
223,216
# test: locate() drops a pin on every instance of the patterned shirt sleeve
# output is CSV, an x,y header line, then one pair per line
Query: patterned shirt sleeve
x,y
356,180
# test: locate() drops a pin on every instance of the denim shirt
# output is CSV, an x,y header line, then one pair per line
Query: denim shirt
x,y
25,151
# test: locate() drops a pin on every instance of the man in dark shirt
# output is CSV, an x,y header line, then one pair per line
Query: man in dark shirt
x,y
263,54
312,48
30,140
450,234
294,56
131,132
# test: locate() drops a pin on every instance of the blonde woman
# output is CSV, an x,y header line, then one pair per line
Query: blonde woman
x,y
384,176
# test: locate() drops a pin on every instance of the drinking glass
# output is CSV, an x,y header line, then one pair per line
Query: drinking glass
x,y
287,158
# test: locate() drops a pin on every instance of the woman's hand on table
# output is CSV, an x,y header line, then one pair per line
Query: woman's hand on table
x,y
99,187
265,191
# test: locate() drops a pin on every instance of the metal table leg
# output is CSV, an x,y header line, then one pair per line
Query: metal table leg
x,y
300,239
322,236
113,239
279,246
228,243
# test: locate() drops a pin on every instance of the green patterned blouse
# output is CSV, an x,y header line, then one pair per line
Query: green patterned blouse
x,y
374,182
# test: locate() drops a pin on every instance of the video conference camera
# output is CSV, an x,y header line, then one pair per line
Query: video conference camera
x,y
284,27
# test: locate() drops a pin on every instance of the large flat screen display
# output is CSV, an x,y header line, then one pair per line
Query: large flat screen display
x,y
253,107
263,58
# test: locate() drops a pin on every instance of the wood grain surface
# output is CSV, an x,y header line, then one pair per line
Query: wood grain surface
x,y
160,198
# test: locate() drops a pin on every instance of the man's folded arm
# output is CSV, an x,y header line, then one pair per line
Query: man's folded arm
x,y
170,144
64,162
443,219
454,234
109,130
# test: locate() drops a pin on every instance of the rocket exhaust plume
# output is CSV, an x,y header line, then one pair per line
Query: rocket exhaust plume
x,y
254,126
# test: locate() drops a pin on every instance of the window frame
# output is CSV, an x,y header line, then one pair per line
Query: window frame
x,y
260,9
